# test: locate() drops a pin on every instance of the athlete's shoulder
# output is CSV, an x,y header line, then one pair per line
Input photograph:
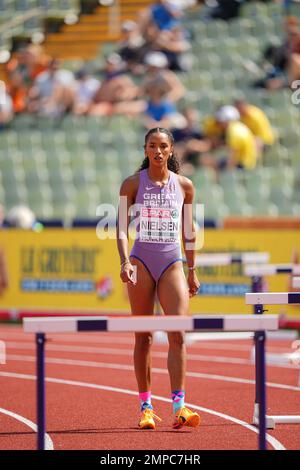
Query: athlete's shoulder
x,y
185,183
130,184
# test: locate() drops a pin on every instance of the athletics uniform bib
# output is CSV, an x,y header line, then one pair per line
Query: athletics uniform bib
x,y
160,210
158,225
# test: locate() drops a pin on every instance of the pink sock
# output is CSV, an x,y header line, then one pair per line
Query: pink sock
x,y
145,400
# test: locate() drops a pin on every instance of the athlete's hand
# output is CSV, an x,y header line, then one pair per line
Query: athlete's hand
x,y
127,273
193,283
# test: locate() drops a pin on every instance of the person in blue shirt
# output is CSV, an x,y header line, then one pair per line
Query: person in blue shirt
x,y
165,14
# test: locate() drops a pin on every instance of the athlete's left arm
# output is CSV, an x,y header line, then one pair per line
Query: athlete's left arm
x,y
189,233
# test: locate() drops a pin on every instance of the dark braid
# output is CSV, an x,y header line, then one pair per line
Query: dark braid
x,y
173,163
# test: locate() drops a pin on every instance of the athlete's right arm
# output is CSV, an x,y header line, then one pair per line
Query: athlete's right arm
x,y
128,193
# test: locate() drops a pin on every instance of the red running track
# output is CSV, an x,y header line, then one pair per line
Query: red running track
x,y
92,401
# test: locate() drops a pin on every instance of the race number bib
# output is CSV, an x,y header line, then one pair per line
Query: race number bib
x,y
159,225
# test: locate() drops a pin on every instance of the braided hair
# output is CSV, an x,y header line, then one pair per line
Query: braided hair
x,y
173,163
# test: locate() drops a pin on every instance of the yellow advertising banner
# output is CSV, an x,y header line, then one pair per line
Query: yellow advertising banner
x,y
223,287
73,269
62,269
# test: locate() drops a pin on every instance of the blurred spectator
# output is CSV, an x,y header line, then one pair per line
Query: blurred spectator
x,y
133,47
190,127
3,264
254,118
174,44
22,70
18,91
161,15
162,89
159,81
166,14
225,9
85,91
277,55
282,62
239,140
117,92
189,141
161,25
294,60
160,113
53,91
240,144
6,111
213,131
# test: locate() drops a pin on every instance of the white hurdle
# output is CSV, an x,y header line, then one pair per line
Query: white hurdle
x,y
241,259
41,326
296,282
225,259
271,269
153,323
273,298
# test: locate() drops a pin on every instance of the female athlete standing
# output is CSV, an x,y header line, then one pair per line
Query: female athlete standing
x,y
165,202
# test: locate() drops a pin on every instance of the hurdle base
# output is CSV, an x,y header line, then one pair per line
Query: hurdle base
x,y
271,421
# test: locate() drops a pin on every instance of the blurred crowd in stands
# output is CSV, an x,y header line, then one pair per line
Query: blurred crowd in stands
x,y
142,78
282,62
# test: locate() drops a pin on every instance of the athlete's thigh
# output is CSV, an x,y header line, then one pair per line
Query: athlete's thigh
x,y
172,291
142,294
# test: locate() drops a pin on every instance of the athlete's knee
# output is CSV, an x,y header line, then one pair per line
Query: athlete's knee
x,y
176,338
144,340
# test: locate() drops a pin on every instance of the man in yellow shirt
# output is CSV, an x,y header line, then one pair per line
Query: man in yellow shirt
x,y
258,123
239,140
213,131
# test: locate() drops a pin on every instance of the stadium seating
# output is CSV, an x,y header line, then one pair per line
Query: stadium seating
x,y
67,171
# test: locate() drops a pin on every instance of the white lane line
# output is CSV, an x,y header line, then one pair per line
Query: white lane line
x,y
127,367
128,352
277,445
48,441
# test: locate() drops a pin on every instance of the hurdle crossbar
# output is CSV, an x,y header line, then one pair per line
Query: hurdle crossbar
x,y
273,298
225,259
154,323
271,269
41,326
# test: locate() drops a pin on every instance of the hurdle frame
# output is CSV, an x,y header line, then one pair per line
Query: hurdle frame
x,y
245,259
257,273
252,259
272,298
41,326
